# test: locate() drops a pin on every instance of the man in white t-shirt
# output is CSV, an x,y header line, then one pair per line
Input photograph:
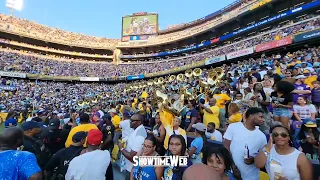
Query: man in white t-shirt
x,y
212,133
125,126
92,163
244,140
134,143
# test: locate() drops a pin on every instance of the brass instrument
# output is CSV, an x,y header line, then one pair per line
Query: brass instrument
x,y
197,72
180,77
155,81
219,71
81,103
161,80
172,78
150,83
213,78
188,73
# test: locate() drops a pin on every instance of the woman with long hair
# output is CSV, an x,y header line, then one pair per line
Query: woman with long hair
x,y
221,160
159,133
282,102
281,160
197,145
303,111
177,147
147,172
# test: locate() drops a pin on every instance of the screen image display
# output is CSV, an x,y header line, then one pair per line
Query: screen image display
x,y
140,25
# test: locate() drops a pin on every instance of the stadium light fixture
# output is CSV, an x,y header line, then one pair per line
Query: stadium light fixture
x,y
14,5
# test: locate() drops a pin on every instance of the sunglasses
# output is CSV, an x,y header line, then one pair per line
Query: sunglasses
x,y
133,120
282,134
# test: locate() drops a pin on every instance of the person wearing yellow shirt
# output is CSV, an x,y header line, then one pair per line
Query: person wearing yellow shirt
x,y
234,113
211,113
171,125
115,118
222,100
84,126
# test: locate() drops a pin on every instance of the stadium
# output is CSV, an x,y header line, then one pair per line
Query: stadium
x,y
249,58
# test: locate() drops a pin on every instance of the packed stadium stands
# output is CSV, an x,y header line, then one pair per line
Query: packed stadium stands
x,y
270,70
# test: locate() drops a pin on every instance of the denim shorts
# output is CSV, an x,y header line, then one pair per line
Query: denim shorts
x,y
281,112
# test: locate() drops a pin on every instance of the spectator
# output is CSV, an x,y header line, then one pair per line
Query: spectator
x,y
191,116
177,147
147,172
282,102
62,158
134,143
159,132
211,113
281,159
108,131
221,160
85,165
212,133
244,141
84,126
16,164
198,144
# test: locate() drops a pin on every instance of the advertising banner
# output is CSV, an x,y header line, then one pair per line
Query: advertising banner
x,y
140,76
57,78
274,44
13,74
240,53
307,35
89,79
215,60
272,19
7,88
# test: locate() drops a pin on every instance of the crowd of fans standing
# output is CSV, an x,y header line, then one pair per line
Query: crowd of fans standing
x,y
264,112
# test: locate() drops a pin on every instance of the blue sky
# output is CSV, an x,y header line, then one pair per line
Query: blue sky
x,y
103,17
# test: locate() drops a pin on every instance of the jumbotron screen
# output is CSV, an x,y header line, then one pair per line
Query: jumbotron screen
x,y
140,24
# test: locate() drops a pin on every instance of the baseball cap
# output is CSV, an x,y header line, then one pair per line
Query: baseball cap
x,y
30,125
300,77
306,71
106,117
199,127
127,114
54,124
94,137
10,123
310,124
112,111
36,119
79,136
316,64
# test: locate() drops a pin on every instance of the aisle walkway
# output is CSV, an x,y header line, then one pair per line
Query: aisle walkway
x,y
117,175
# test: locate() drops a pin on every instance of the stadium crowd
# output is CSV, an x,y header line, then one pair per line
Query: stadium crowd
x,y
29,28
14,61
32,29
280,94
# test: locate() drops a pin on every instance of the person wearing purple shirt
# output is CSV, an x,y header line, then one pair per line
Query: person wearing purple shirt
x,y
300,89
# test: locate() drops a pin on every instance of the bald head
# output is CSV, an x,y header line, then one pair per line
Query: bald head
x,y
207,173
11,138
